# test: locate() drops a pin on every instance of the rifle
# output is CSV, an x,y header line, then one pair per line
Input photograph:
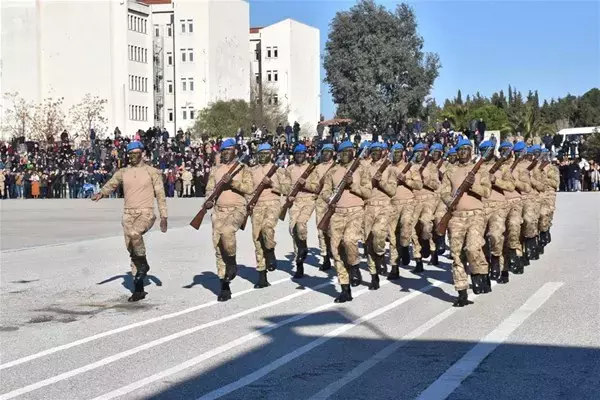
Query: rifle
x,y
297,186
259,189
439,166
499,163
383,166
407,168
333,200
514,164
464,186
219,187
424,165
545,162
532,165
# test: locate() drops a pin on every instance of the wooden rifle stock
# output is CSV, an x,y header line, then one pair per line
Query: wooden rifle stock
x,y
464,186
259,189
514,164
532,165
424,165
219,187
296,188
382,167
324,223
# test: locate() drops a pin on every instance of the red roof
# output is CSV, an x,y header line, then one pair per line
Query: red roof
x,y
256,29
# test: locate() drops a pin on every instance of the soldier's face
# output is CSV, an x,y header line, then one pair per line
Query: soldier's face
x,y
326,155
419,156
227,155
376,154
299,158
346,156
489,156
436,155
264,157
397,157
135,157
452,158
464,154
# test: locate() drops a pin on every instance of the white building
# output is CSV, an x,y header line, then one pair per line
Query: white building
x,y
286,58
202,59
70,48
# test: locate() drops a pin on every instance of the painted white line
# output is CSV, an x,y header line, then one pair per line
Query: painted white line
x,y
154,343
125,328
381,355
222,349
280,362
450,380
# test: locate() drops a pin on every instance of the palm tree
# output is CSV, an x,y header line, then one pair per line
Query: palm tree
x,y
458,115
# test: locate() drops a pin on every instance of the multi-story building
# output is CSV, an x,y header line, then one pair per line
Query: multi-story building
x,y
200,51
286,62
71,48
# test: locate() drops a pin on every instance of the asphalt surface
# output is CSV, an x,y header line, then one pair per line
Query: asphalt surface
x,y
68,332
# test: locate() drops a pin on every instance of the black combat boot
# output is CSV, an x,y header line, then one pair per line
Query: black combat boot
x,y
540,244
495,267
394,273
302,250
225,291
380,264
405,255
512,260
531,249
299,270
326,263
345,296
355,277
425,248
271,260
231,268
419,267
434,259
477,283
503,277
487,283
548,237
462,299
374,282
142,268
440,244
262,280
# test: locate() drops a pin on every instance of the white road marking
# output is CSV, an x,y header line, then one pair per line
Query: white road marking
x,y
154,343
124,328
222,349
381,355
457,373
280,362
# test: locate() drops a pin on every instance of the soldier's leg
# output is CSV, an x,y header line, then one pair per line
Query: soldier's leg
x,y
474,242
379,234
135,225
324,245
496,226
271,214
426,221
353,234
514,221
530,222
457,230
225,225
407,226
336,234
258,218
369,220
294,213
415,236
393,233
544,221
440,241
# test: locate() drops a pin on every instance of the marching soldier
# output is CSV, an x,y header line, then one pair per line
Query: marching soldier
x,y
495,209
346,224
302,207
466,228
228,214
141,185
314,184
437,244
265,214
531,206
425,204
441,209
515,221
402,221
552,181
377,211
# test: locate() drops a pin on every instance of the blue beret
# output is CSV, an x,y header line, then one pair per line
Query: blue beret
x,y
545,150
300,149
419,147
328,146
486,144
227,143
397,146
364,144
376,145
462,143
436,147
536,147
264,147
345,145
451,151
135,145
384,146
505,145
519,146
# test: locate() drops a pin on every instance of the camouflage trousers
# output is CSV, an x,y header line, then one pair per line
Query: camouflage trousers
x,y
264,220
324,241
495,213
300,213
345,231
135,224
226,221
465,231
547,202
514,220
531,216
439,213
401,226
424,209
377,222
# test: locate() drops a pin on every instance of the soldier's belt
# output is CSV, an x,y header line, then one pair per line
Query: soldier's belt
x,y
347,210
399,202
267,203
425,197
469,213
494,204
515,200
229,208
378,202
138,210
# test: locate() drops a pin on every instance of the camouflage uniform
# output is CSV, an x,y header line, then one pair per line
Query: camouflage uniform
x,y
313,184
552,182
228,213
516,212
426,201
532,204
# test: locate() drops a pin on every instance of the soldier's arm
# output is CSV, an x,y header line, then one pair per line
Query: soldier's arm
x,y
431,180
159,192
484,187
553,177
537,181
210,185
363,187
112,184
413,179
245,184
388,183
312,183
327,190
276,181
522,183
446,190
286,182
506,182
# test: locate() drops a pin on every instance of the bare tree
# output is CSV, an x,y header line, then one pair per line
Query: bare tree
x,y
18,116
273,109
87,115
48,119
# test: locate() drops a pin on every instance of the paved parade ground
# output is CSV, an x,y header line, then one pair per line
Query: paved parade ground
x,y
67,331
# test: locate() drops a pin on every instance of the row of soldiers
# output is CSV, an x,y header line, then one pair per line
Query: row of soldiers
x,y
500,210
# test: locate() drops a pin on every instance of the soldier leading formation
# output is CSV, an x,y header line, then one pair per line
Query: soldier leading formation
x,y
497,212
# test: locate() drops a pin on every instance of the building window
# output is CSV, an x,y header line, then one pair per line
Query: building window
x,y
268,52
192,113
170,86
182,25
275,76
169,31
257,76
156,31
183,84
169,58
275,99
191,55
269,76
184,113
191,81
146,56
183,55
190,26
275,52
170,115
256,55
